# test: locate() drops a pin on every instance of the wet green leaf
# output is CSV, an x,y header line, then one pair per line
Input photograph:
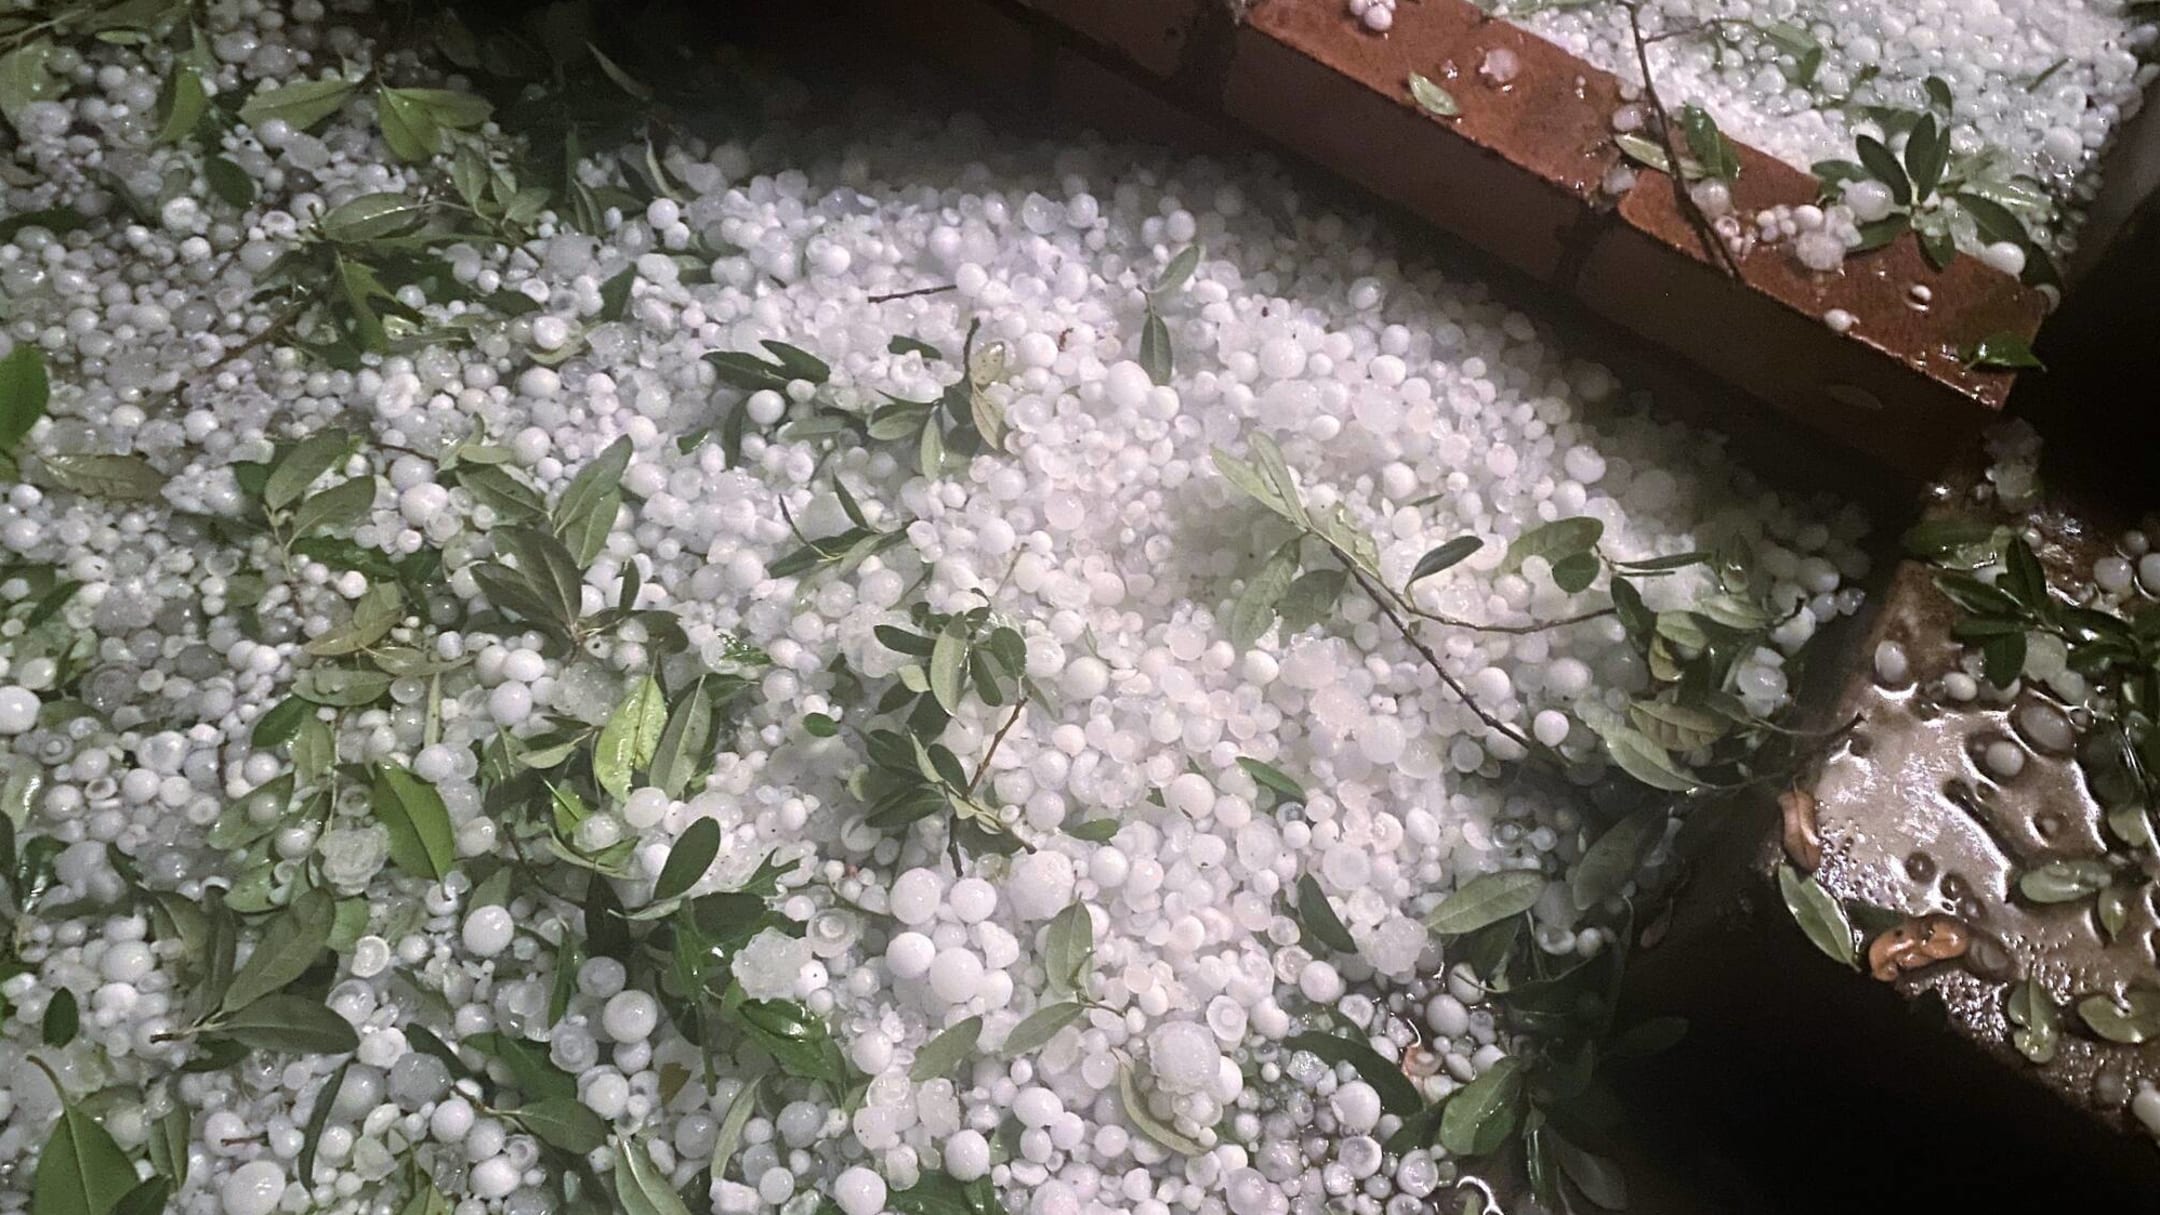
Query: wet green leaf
x,y
1397,1094
25,390
371,217
1037,1028
1319,918
341,505
631,737
290,943
1481,1115
1144,1121
1446,556
1156,356
1553,541
948,666
564,1123
300,106
528,1065
292,1024
421,841
1883,166
1271,778
80,1170
2133,1019
1486,899
951,1048
112,478
2002,352
2064,881
1253,612
26,76
1068,945
63,1017
688,860
2038,1020
1820,916
1599,1178
1432,98
640,1187
1712,150
1608,865
1179,271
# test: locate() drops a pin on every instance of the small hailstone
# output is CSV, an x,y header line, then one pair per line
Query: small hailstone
x,y
253,1189
1839,320
489,930
1891,667
630,1016
18,710
2006,256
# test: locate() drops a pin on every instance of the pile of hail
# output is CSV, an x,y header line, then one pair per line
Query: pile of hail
x,y
804,671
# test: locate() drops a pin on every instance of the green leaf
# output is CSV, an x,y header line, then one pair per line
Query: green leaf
x,y
1274,472
229,182
2003,658
1271,778
1927,151
685,746
1820,916
1608,865
640,1187
2133,1019
371,217
80,1170
408,129
1716,154
421,842
292,1024
585,513
1319,918
564,1123
1481,1115
528,1065
1397,1094
168,1147
24,392
1486,899
1136,1112
63,1017
1094,830
1433,99
1935,539
1635,754
113,478
341,505
1884,167
1446,556
1182,266
1253,612
2038,1020
1248,480
319,1121
296,470
1037,1028
948,666
26,76
1068,945
2002,352
290,944
1651,153
1553,541
1600,1180
2064,881
147,1198
374,614
1311,599
688,860
1575,572
738,1115
631,737
1156,357
951,1048
341,687
301,105
796,1038
1677,727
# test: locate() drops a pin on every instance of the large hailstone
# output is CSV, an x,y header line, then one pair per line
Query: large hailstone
x,y
1183,1056
769,966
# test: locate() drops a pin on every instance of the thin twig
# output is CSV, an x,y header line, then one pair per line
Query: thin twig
x,y
902,295
1704,230
1515,630
983,765
1402,626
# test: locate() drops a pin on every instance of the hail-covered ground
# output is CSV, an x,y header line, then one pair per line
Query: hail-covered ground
x,y
2031,96
469,748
